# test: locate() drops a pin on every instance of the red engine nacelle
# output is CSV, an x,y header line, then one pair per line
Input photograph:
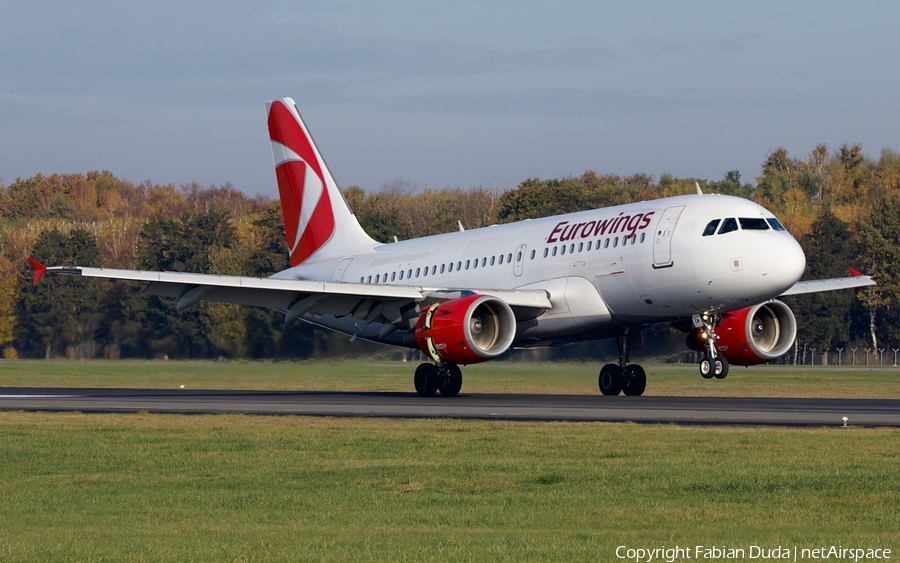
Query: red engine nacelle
x,y
755,335
467,330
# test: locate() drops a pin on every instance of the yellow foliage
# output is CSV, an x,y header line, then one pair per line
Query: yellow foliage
x,y
8,296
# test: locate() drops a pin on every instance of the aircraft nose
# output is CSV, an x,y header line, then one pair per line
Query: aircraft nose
x,y
785,264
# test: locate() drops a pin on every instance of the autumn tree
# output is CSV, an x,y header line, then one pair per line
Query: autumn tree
x,y
61,313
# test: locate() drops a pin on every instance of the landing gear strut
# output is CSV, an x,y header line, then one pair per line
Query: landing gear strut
x,y
712,364
621,377
431,378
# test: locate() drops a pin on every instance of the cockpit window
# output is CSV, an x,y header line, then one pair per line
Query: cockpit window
x,y
711,227
728,225
753,224
775,224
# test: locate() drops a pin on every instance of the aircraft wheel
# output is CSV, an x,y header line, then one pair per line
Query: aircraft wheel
x,y
426,380
721,367
451,381
611,379
635,380
707,367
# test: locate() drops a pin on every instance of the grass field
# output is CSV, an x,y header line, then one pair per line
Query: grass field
x,y
77,487
142,487
491,377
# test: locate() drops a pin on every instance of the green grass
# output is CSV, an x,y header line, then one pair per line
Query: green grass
x,y
490,377
77,487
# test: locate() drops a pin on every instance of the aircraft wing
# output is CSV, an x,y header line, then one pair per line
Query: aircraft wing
x,y
833,284
384,304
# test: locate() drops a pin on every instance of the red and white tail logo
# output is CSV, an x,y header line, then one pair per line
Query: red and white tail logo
x,y
302,184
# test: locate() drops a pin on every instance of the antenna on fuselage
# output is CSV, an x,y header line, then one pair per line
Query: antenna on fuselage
x,y
458,222
698,188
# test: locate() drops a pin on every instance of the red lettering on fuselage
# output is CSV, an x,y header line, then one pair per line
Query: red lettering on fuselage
x,y
630,224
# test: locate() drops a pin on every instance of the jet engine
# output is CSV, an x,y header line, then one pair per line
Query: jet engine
x,y
754,335
467,330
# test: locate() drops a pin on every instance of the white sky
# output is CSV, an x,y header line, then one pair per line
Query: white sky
x,y
441,93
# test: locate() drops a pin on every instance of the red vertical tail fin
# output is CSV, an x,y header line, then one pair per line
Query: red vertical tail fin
x,y
317,219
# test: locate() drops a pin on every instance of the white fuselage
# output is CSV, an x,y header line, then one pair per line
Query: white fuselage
x,y
635,264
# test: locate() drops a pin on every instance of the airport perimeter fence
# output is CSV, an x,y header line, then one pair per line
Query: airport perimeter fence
x,y
859,356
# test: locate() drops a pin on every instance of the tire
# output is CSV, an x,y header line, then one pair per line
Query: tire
x,y
451,381
707,367
635,381
721,367
611,379
426,380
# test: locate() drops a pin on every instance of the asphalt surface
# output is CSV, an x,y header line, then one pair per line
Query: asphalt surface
x,y
680,410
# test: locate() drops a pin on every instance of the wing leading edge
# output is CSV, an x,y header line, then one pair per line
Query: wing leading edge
x,y
384,304
833,284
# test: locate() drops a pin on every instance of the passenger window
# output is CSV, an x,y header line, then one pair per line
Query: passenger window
x,y
458,266
475,263
606,244
615,242
468,263
418,270
493,258
425,272
775,224
753,224
483,262
554,250
545,252
500,261
590,242
580,246
571,248
385,277
369,280
642,237
393,276
532,255
409,274
442,268
562,250
378,278
728,225
711,227
450,268
401,274
433,270
509,256
362,279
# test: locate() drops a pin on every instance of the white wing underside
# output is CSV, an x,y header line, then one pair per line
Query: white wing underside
x,y
833,284
394,304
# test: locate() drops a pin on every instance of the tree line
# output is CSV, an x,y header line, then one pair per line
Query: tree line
x,y
843,208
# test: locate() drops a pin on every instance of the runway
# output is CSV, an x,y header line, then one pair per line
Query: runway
x,y
679,410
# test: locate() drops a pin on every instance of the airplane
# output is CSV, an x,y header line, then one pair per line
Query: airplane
x,y
710,265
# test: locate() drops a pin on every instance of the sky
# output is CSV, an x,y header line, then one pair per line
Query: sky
x,y
441,94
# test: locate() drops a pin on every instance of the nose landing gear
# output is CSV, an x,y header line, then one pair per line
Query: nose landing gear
x,y
712,364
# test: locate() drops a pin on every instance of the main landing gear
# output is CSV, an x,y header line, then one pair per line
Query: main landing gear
x,y
624,378
431,378
712,364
